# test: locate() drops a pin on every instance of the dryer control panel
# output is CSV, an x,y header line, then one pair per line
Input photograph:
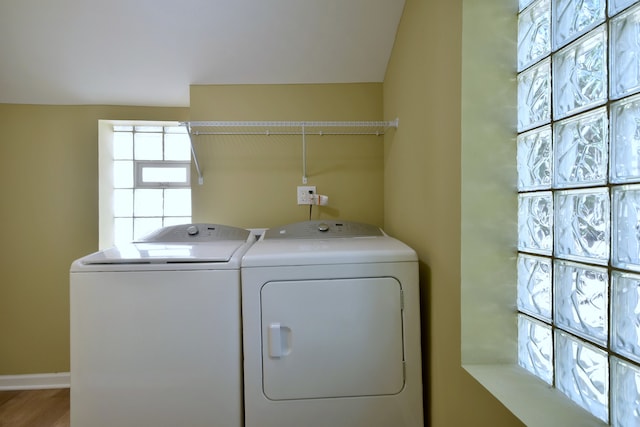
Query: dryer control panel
x,y
323,230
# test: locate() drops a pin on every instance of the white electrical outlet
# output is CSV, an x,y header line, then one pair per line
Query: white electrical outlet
x,y
304,194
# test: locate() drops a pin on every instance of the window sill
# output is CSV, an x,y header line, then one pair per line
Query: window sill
x,y
530,399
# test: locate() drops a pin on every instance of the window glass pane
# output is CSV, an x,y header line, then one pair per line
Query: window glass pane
x,y
534,286
581,150
625,393
625,314
177,147
535,348
534,159
582,373
122,230
148,202
534,94
175,129
573,18
534,33
148,146
625,140
581,300
616,6
164,174
582,225
123,146
123,203
580,74
123,174
177,202
625,53
626,223
535,222
144,226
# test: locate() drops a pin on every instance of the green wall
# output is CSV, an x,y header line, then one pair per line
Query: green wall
x,y
49,217
423,197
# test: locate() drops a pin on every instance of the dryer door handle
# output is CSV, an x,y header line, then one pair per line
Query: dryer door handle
x,y
279,340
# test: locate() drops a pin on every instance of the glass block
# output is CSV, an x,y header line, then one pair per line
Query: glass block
x,y
144,226
177,146
574,18
123,146
534,33
534,286
582,373
534,159
625,53
535,222
122,203
122,128
625,393
122,231
582,225
123,174
523,4
581,150
148,146
626,227
149,128
616,6
625,314
177,202
625,140
581,299
175,129
175,220
580,74
148,202
535,348
534,94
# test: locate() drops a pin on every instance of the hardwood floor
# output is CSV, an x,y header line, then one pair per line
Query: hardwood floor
x,y
34,408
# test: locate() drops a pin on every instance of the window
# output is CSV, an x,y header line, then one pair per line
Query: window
x,y
578,159
144,179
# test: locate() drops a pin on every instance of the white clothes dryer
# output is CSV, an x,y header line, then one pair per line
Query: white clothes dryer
x,y
156,330
331,328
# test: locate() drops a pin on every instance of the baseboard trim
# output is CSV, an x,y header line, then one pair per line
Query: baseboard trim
x,y
35,381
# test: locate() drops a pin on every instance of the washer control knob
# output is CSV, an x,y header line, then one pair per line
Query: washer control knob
x,y
192,230
323,227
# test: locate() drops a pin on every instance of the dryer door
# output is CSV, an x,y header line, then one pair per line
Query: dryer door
x,y
332,338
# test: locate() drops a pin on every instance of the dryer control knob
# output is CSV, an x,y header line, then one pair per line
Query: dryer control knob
x,y
192,230
323,227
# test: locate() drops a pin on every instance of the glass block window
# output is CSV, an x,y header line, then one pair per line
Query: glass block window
x,y
578,163
151,179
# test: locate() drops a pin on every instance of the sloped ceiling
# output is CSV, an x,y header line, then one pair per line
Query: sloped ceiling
x,y
148,52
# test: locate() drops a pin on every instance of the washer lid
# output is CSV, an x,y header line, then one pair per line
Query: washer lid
x,y
165,253
185,243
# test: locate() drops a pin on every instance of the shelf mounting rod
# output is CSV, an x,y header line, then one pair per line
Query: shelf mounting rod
x,y
304,156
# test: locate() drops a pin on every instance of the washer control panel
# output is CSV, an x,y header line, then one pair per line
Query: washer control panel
x,y
195,233
323,230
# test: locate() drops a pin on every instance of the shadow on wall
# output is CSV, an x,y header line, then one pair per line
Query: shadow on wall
x,y
425,298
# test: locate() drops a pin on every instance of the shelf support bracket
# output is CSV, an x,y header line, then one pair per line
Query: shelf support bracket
x,y
194,154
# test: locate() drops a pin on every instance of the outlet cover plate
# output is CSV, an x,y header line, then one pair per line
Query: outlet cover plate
x,y
304,191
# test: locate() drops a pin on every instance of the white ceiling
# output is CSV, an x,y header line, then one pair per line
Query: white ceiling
x,y
148,52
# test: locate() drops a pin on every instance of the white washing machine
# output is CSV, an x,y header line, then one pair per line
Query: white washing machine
x,y
331,328
156,331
